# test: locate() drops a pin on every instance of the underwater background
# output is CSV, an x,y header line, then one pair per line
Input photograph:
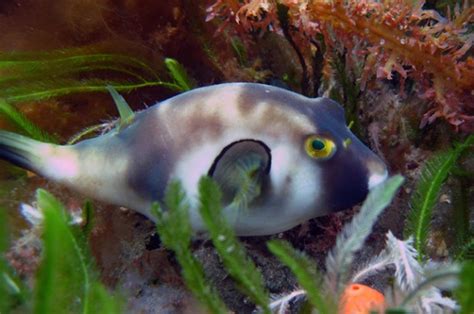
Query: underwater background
x,y
403,71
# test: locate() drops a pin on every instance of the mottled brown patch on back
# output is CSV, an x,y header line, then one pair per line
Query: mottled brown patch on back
x,y
198,129
209,124
245,105
275,119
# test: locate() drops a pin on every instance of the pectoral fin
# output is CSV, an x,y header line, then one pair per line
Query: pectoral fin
x,y
241,170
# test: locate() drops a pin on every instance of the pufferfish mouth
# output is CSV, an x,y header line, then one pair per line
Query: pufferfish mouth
x,y
377,178
377,173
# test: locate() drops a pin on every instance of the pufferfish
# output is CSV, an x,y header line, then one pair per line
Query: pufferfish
x,y
280,158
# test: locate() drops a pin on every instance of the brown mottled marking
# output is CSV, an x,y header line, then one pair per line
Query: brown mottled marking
x,y
245,105
206,126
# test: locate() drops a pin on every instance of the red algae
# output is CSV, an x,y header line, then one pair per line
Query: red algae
x,y
383,38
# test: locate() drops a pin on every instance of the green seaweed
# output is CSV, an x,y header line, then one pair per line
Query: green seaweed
x,y
22,68
179,75
85,132
433,175
466,287
461,215
36,91
239,50
466,252
306,273
12,290
175,231
346,92
37,76
66,281
353,235
233,255
24,124
88,218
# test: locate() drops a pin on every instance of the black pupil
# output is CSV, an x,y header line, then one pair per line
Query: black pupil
x,y
317,144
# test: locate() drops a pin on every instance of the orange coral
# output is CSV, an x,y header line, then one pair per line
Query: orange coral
x,y
387,37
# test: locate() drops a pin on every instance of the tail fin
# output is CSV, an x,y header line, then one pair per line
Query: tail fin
x,y
20,150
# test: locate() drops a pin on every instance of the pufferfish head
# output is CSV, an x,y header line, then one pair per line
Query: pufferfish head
x,y
347,168
299,158
279,158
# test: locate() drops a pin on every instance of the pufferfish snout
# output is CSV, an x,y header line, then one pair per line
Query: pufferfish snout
x,y
279,158
358,170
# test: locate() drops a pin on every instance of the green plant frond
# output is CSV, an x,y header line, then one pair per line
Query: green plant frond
x,y
12,292
4,235
466,253
65,280
239,50
56,88
24,124
177,214
179,74
107,303
353,235
465,289
19,79
42,75
306,273
233,254
88,216
426,193
89,131
175,231
32,63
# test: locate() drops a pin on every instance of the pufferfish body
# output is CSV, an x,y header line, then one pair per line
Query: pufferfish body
x,y
280,158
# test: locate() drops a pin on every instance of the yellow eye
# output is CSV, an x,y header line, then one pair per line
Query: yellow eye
x,y
319,148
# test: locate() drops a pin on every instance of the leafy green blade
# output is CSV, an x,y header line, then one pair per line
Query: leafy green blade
x,y
66,281
239,50
426,193
179,74
354,234
61,277
18,78
5,296
51,89
87,132
13,292
233,254
102,301
27,126
42,75
32,65
175,231
467,251
305,271
464,293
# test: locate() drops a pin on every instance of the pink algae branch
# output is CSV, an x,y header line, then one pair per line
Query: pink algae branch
x,y
396,37
420,51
